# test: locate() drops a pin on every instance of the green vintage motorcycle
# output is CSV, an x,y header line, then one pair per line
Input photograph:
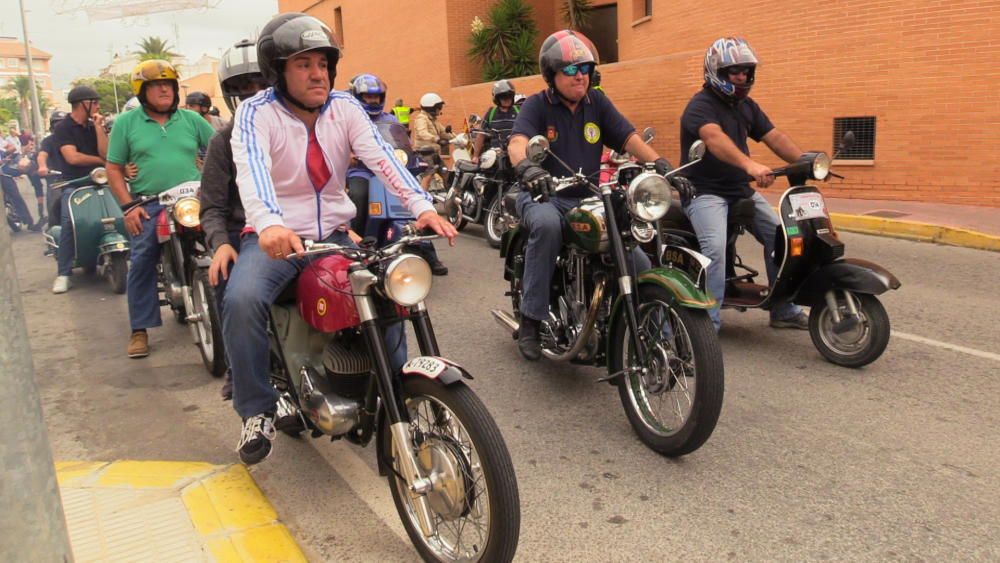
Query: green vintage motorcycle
x,y
650,330
102,246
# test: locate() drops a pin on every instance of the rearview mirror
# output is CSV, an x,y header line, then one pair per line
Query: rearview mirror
x,y
473,120
648,134
538,147
697,151
847,142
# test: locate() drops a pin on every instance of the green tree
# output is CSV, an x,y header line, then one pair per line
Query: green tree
x,y
20,86
154,48
576,13
505,43
105,87
8,110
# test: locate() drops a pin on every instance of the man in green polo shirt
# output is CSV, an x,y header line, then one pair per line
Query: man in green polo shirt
x,y
163,141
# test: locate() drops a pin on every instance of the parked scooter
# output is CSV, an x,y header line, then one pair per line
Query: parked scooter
x,y
99,235
847,322
183,271
448,469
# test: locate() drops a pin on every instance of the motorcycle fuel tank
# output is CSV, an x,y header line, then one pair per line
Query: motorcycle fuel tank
x,y
325,297
587,229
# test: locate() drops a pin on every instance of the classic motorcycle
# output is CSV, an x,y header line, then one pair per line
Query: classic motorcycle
x,y
183,271
847,322
651,331
449,470
99,234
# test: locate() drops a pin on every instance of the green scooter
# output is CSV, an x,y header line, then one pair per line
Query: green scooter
x,y
102,245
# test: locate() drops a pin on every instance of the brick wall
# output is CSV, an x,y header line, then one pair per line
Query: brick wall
x,y
921,67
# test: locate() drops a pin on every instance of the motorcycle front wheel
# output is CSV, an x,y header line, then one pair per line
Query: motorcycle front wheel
x,y
117,272
209,324
494,221
674,403
474,503
858,346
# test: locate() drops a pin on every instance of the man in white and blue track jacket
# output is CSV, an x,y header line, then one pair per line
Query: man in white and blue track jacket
x,y
292,145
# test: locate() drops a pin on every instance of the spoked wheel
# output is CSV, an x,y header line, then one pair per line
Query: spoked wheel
x,y
117,272
494,221
209,324
473,503
858,345
674,402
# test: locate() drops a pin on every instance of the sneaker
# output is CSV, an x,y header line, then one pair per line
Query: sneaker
x,y
61,285
227,386
255,443
528,340
138,345
439,269
799,321
37,227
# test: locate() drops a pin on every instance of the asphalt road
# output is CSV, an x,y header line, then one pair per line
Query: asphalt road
x,y
809,461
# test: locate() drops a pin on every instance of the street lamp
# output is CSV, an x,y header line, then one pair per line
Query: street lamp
x,y
114,79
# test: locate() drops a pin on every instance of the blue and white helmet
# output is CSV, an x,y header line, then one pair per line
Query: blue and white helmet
x,y
369,84
724,53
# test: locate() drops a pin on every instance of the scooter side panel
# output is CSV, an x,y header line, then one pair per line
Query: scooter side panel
x,y
857,275
88,207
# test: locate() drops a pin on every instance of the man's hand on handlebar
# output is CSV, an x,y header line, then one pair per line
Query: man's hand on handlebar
x,y
761,174
278,242
431,220
535,178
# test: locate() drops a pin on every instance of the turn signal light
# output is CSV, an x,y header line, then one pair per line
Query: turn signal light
x,y
798,246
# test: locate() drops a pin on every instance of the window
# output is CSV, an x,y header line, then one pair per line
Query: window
x,y
602,29
338,24
642,9
864,137
12,63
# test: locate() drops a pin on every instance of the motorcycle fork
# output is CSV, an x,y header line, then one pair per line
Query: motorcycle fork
x,y
181,272
396,414
625,282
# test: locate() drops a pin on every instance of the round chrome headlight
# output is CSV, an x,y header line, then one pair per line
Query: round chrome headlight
x,y
821,166
488,159
401,156
99,175
643,231
648,196
186,211
408,280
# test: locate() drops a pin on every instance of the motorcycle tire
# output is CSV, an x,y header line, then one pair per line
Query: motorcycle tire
x,y
117,273
493,222
699,363
477,432
859,346
209,328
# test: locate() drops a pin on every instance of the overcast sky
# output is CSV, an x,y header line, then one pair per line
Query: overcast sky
x,y
80,47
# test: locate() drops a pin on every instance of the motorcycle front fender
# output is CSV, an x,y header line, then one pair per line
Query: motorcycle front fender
x,y
854,274
439,369
113,242
684,290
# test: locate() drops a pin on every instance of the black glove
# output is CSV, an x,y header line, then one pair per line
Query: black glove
x,y
662,166
447,129
684,187
534,178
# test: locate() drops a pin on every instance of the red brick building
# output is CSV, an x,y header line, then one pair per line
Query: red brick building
x,y
918,72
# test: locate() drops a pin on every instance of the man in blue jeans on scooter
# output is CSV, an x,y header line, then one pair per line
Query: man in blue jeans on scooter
x,y
723,115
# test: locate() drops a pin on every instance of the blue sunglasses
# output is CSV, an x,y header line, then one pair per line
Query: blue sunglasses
x,y
572,70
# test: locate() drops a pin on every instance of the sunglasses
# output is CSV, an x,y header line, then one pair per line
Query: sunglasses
x,y
573,70
739,70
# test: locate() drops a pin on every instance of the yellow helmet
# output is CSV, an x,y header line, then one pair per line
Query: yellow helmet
x,y
153,69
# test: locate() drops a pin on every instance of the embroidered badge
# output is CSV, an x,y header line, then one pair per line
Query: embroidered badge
x,y
551,134
591,132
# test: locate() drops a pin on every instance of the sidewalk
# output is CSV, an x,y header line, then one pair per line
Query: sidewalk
x,y
956,225
170,511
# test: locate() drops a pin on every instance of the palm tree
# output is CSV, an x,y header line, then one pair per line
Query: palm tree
x,y
21,87
505,43
576,13
155,48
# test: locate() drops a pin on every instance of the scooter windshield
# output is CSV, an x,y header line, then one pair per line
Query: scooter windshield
x,y
396,135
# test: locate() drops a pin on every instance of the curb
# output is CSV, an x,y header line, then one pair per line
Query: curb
x,y
228,518
913,230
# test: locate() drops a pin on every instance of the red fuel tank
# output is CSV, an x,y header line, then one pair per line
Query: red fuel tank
x,y
324,295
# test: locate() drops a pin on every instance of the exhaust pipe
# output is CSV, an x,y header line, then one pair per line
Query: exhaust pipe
x,y
504,319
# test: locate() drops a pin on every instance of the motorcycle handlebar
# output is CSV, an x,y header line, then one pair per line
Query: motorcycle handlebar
x,y
126,207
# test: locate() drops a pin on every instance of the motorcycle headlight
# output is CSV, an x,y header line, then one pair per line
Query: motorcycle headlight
x,y
643,231
648,196
99,175
401,156
408,280
488,159
821,166
186,211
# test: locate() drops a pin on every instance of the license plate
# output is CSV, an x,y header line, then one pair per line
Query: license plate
x,y
807,206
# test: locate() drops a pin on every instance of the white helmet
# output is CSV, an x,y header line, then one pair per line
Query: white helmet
x,y
429,100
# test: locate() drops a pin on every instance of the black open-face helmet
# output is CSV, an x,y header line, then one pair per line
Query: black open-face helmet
x,y
82,93
287,35
198,99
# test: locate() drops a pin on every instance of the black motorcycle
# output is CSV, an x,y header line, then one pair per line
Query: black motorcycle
x,y
847,322
650,330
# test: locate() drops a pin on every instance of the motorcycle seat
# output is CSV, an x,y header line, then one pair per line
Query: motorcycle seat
x,y
742,212
466,166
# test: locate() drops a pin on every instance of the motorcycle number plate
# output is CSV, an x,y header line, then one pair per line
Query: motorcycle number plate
x,y
172,195
808,206
426,366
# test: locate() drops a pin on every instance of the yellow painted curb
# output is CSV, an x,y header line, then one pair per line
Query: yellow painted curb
x,y
913,230
226,509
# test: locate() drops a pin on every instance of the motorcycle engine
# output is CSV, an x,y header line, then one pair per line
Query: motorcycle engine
x,y
347,364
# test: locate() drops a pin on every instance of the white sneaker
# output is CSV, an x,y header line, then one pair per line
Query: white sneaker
x,y
61,284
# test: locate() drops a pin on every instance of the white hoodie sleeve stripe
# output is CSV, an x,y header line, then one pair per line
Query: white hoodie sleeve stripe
x,y
251,154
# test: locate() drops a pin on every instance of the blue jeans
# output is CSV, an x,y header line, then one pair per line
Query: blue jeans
x,y
67,243
254,284
11,194
544,222
709,217
143,296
